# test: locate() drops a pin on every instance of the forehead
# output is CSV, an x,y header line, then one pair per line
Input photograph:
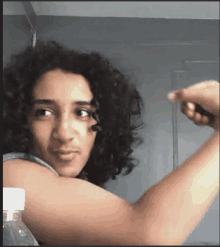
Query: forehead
x,y
62,86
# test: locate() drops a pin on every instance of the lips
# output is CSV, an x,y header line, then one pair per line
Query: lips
x,y
65,155
66,151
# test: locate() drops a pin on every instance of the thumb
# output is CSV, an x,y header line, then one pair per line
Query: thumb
x,y
193,95
175,95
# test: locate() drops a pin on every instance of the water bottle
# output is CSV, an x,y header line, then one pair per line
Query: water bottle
x,y
15,231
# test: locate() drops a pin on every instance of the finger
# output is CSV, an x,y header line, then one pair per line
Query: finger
x,y
191,106
197,118
175,95
190,114
171,96
187,107
205,120
196,114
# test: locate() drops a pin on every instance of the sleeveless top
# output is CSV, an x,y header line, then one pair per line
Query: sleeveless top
x,y
31,157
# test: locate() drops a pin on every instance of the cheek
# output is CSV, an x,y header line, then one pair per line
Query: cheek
x,y
89,139
40,133
85,129
89,144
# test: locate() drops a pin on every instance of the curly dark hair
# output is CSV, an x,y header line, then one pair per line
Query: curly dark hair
x,y
117,99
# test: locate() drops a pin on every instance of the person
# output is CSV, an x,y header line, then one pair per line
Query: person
x,y
106,135
85,138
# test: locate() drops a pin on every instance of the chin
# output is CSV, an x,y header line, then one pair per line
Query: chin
x,y
68,172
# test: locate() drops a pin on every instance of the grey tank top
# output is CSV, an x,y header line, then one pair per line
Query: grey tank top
x,y
31,157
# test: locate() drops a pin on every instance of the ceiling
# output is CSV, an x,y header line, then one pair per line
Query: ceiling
x,y
171,10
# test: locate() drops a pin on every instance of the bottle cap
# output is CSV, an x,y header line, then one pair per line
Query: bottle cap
x,y
13,198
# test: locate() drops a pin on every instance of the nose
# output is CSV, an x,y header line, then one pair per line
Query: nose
x,y
64,129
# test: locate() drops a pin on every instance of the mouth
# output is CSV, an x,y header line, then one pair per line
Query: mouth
x,y
65,156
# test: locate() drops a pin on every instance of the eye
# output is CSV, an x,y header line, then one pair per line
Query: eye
x,y
41,112
83,113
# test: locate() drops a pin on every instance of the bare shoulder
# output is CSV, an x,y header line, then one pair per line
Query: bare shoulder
x,y
16,169
65,211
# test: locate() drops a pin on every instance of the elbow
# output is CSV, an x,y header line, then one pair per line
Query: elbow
x,y
145,232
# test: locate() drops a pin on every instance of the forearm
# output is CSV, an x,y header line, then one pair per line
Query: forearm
x,y
169,211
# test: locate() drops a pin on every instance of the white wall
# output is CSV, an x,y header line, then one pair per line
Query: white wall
x,y
176,10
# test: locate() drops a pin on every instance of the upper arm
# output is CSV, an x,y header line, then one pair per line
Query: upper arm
x,y
70,211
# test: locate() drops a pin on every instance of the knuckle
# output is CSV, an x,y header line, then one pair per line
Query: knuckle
x,y
198,122
189,116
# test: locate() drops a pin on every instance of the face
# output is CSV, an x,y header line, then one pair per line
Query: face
x,y
61,119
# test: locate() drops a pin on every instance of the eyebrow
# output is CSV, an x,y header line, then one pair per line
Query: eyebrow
x,y
52,102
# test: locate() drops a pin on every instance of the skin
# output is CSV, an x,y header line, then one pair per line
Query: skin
x,y
65,124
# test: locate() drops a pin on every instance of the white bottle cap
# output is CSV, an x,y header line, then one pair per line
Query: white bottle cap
x,y
13,198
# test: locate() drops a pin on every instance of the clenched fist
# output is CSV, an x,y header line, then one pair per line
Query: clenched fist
x,y
200,103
